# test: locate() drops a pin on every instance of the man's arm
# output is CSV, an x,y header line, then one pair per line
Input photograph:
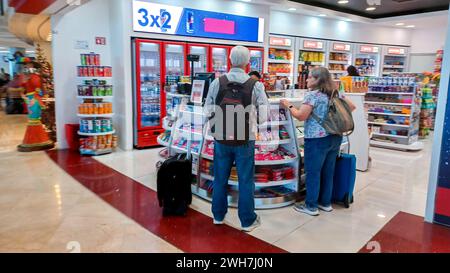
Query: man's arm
x,y
211,98
261,102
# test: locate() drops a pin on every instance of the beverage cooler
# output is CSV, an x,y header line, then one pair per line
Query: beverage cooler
x,y
367,60
395,60
256,60
156,62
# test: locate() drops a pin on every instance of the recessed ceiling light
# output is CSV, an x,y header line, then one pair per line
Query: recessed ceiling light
x,y
343,2
322,15
292,9
381,215
411,26
371,8
400,24
246,0
348,20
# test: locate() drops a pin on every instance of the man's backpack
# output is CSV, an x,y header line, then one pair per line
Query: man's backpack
x,y
339,119
236,95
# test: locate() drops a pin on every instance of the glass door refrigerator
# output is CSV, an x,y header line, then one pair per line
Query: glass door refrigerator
x,y
256,60
395,60
203,51
149,106
220,63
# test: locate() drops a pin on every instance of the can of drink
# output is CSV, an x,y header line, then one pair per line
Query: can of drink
x,y
190,22
92,58
110,126
80,71
101,71
98,126
97,59
90,126
90,71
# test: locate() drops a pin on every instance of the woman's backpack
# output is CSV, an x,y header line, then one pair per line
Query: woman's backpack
x,y
339,119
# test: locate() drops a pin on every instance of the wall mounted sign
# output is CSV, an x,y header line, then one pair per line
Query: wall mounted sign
x,y
396,51
312,44
164,19
100,40
341,47
277,41
369,49
81,44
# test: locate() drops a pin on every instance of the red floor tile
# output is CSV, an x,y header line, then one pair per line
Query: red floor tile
x,y
194,233
407,233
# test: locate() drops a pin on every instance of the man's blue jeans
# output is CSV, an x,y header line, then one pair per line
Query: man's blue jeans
x,y
244,157
320,162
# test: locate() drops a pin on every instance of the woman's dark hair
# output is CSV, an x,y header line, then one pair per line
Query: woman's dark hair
x,y
325,82
255,73
352,71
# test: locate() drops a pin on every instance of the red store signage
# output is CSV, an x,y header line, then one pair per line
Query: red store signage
x,y
341,47
396,51
369,49
275,41
312,44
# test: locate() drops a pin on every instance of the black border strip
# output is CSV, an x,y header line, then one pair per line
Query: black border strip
x,y
441,220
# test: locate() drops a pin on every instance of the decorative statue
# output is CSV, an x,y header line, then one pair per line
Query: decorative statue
x,y
36,138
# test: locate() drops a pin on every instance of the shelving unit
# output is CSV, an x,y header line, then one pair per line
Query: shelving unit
x,y
394,60
95,111
270,194
339,58
280,63
394,107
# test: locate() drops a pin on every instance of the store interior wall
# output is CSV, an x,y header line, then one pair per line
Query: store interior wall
x,y
425,42
323,28
82,24
439,129
121,26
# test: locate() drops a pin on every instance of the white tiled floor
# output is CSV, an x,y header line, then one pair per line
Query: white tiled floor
x,y
42,208
397,181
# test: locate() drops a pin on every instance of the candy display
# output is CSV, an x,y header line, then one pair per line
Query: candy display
x,y
311,56
278,154
165,137
337,67
280,68
93,93
95,108
280,54
339,57
354,84
366,66
273,134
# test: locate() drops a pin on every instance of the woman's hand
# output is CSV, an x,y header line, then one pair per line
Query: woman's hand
x,y
285,103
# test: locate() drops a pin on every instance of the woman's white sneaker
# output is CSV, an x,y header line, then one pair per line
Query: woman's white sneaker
x,y
326,209
302,208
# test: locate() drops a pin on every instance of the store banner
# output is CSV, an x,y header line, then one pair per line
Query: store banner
x,y
442,201
172,20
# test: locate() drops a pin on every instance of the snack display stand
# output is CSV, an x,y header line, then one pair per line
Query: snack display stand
x,y
95,112
277,177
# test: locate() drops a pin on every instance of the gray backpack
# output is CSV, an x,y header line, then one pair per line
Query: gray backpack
x,y
339,119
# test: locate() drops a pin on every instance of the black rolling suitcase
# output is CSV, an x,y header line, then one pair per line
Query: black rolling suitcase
x,y
174,185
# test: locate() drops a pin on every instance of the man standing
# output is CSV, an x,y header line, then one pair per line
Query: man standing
x,y
227,98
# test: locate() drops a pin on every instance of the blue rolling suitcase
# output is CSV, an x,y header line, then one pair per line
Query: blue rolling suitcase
x,y
344,179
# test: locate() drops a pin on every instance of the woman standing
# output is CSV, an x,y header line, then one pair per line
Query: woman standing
x,y
321,149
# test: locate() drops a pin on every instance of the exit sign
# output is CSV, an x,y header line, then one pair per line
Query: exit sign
x,y
341,47
100,40
313,44
369,49
396,51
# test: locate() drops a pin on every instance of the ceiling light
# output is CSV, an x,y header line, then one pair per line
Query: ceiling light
x,y
381,215
348,20
400,24
246,0
343,2
371,8
292,9
322,15
411,26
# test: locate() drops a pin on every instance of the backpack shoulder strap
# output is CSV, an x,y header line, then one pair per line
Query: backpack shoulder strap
x,y
249,85
223,85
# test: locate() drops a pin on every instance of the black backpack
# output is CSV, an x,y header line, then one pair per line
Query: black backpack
x,y
174,185
233,94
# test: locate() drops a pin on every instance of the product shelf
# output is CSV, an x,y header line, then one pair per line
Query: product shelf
x,y
95,115
388,124
390,93
161,142
274,61
389,135
95,97
97,134
388,103
388,114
